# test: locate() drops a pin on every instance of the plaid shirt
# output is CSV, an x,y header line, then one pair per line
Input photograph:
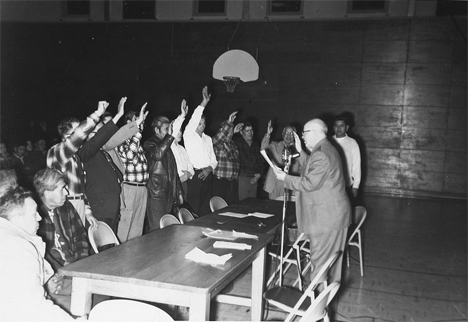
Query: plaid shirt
x,y
134,160
62,156
251,161
226,152
72,236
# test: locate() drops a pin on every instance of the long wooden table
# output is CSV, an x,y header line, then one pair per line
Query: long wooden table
x,y
153,268
249,224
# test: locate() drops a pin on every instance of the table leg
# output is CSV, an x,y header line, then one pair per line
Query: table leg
x,y
258,279
199,307
80,297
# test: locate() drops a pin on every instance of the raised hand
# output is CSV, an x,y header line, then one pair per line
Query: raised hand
x,y
143,114
206,96
297,142
102,106
269,128
238,127
121,107
232,117
183,109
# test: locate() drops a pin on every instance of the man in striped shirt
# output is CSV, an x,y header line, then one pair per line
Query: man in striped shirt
x,y
63,156
225,183
134,194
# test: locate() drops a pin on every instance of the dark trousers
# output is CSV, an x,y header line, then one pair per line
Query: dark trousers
x,y
155,210
226,189
106,208
199,194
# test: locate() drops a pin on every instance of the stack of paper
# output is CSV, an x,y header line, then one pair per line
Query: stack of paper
x,y
254,214
260,215
199,256
231,245
226,235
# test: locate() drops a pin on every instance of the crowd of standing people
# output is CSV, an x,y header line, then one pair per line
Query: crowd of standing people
x,y
99,172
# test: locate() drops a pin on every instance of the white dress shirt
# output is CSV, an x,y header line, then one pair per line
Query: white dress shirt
x,y
182,159
353,160
199,149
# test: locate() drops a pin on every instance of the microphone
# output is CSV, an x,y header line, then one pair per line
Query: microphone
x,y
285,155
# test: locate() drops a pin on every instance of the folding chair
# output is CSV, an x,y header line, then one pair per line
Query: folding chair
x,y
102,238
360,214
168,220
294,301
298,248
217,203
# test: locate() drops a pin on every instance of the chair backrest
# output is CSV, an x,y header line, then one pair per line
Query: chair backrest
x,y
359,216
185,215
318,309
102,236
217,203
168,220
127,310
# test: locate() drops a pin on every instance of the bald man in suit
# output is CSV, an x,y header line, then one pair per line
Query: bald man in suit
x,y
322,206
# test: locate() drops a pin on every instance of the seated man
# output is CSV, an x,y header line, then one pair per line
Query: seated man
x,y
23,270
61,228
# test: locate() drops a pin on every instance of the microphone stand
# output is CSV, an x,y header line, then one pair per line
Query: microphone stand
x,y
286,169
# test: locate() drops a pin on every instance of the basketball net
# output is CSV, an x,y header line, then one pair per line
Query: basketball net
x,y
231,83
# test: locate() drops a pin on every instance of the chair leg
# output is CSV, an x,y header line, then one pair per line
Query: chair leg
x,y
361,263
347,253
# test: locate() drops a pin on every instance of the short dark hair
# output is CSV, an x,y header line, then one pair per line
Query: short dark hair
x,y
13,198
159,121
247,124
104,116
341,118
129,116
65,125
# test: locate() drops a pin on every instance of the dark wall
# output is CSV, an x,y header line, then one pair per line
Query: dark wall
x,y
403,82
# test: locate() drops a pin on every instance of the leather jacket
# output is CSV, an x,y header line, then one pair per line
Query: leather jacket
x,y
164,182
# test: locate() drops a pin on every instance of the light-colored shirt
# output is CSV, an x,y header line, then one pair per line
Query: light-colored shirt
x,y
182,159
199,148
352,164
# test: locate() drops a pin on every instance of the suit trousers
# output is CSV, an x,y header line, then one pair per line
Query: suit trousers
x,y
226,189
322,247
199,193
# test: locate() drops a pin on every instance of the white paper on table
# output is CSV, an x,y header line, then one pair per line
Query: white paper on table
x,y
260,215
219,234
231,245
243,235
233,214
199,256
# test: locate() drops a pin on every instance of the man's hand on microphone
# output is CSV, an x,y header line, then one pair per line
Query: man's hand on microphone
x,y
280,174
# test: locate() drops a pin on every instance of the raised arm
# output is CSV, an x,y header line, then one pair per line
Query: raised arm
x,y
197,113
59,155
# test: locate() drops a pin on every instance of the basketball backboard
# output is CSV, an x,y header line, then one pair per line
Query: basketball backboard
x,y
236,63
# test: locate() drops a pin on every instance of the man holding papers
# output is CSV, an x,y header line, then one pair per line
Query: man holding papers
x,y
322,206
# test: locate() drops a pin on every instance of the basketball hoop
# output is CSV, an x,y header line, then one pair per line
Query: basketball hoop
x,y
234,66
231,83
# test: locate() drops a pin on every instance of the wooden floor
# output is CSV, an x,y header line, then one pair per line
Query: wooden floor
x,y
415,266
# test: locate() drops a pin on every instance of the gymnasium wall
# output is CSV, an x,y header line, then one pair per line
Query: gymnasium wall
x,y
403,81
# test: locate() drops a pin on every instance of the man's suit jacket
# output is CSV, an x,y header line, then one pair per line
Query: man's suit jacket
x,y
321,202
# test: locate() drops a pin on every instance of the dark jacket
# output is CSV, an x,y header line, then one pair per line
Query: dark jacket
x,y
73,235
164,182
